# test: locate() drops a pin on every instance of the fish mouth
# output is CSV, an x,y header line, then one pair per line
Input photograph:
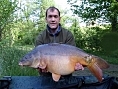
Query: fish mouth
x,y
20,63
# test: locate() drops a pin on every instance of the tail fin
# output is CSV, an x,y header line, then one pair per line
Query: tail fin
x,y
101,62
96,65
97,72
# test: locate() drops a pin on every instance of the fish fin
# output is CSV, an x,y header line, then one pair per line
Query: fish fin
x,y
42,66
100,62
97,72
56,77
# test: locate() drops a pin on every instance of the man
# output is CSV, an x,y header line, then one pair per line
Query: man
x,y
55,33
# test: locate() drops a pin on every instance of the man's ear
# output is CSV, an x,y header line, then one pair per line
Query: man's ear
x,y
45,19
59,19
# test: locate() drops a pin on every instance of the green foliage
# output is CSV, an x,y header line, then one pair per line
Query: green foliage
x,y
26,33
89,38
7,8
102,10
10,56
109,43
109,58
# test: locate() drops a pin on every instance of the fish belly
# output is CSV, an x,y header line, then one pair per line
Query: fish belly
x,y
61,65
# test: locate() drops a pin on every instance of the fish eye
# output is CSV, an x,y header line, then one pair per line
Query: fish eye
x,y
25,57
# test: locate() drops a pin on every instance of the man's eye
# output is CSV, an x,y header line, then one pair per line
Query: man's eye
x,y
56,16
50,16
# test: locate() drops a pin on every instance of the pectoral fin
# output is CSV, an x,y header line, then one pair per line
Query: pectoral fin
x,y
42,65
56,77
97,72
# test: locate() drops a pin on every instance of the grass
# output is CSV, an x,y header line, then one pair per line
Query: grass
x,y
10,56
109,57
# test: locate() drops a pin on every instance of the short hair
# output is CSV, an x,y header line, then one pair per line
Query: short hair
x,y
52,8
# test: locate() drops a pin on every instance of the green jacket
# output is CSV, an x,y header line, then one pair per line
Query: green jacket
x,y
61,36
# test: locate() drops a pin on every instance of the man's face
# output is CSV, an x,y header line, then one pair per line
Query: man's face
x,y
53,19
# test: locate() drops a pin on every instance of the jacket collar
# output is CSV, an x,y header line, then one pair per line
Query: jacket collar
x,y
56,32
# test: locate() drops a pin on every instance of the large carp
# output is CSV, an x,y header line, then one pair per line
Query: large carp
x,y
61,59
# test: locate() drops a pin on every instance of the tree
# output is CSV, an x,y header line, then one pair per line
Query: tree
x,y
31,20
104,10
7,8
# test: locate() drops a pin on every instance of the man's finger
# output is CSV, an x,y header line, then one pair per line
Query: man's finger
x,y
78,66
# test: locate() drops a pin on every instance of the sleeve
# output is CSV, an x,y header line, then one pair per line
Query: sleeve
x,y
39,40
70,39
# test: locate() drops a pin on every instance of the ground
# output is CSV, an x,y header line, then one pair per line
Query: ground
x,y
111,71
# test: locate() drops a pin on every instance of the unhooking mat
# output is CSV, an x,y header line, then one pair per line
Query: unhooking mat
x,y
71,82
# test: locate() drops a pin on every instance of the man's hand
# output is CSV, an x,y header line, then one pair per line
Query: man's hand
x,y
78,66
42,70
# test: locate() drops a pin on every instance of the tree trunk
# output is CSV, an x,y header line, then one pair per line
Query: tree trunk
x,y
0,34
114,23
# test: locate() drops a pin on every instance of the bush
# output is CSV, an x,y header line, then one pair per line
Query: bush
x,y
89,38
109,43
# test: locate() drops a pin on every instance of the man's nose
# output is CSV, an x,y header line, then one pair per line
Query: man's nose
x,y
53,18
